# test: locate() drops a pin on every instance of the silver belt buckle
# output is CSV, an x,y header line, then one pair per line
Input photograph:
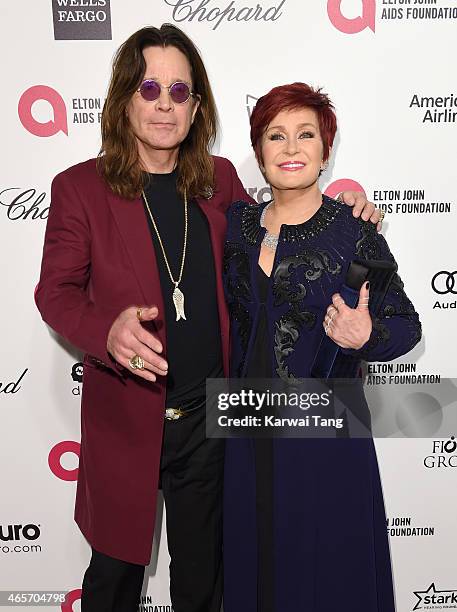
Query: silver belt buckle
x,y
173,414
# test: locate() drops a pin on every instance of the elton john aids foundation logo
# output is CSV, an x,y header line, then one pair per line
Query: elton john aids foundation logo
x,y
341,185
70,599
57,122
352,25
55,460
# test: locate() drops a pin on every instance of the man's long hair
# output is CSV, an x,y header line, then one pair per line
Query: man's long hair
x,y
118,161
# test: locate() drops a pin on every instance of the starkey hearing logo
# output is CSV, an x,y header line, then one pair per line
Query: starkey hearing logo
x,y
352,25
58,122
434,599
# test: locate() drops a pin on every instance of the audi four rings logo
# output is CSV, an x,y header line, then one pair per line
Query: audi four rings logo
x,y
444,282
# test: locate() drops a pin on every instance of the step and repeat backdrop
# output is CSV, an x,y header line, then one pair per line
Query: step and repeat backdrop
x,y
388,67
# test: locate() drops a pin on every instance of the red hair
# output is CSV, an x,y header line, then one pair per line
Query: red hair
x,y
292,97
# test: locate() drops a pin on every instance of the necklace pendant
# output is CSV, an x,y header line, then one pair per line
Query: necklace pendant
x,y
178,301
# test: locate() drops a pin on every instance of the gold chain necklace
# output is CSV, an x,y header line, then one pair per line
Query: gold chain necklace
x,y
178,295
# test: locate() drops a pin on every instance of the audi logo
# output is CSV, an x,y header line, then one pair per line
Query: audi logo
x,y
444,282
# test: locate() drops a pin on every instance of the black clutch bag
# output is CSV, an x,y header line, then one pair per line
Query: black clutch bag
x,y
379,274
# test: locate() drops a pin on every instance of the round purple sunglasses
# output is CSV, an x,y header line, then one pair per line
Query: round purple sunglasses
x,y
179,91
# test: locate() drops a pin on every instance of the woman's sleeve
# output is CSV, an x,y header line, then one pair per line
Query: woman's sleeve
x,y
61,294
396,327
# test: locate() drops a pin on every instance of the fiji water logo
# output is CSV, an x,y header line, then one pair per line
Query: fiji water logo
x,y
352,25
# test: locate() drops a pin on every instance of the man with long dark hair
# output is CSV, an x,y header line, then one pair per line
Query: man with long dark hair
x,y
131,275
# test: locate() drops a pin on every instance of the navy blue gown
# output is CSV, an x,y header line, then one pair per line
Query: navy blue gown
x,y
304,519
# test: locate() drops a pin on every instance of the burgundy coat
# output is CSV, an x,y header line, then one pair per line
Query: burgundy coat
x,y
98,260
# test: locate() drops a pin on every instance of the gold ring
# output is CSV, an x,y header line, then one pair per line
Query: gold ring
x,y
136,363
139,312
383,214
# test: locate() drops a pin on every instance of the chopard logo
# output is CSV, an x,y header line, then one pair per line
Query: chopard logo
x,y
205,10
22,204
444,282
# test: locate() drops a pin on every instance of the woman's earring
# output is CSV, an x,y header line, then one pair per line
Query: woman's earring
x,y
323,167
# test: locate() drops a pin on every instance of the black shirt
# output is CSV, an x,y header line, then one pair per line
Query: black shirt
x,y
194,350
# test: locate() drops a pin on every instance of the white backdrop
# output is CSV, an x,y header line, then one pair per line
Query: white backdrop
x,y
388,67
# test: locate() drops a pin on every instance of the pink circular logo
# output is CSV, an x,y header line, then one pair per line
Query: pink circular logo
x,y
55,457
343,185
356,24
70,599
48,128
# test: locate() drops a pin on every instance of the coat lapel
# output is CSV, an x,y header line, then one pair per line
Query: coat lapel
x,y
133,227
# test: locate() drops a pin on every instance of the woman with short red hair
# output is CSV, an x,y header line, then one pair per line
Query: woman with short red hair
x,y
305,526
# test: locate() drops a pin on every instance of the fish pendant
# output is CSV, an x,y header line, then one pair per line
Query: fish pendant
x,y
178,301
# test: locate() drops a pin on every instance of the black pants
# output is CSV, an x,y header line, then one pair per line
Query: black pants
x,y
191,481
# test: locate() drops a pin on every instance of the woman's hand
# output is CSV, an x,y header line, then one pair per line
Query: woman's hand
x,y
362,207
127,338
349,327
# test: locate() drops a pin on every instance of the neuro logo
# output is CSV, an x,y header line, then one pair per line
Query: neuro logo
x,y
356,24
58,122
55,460
343,185
16,532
